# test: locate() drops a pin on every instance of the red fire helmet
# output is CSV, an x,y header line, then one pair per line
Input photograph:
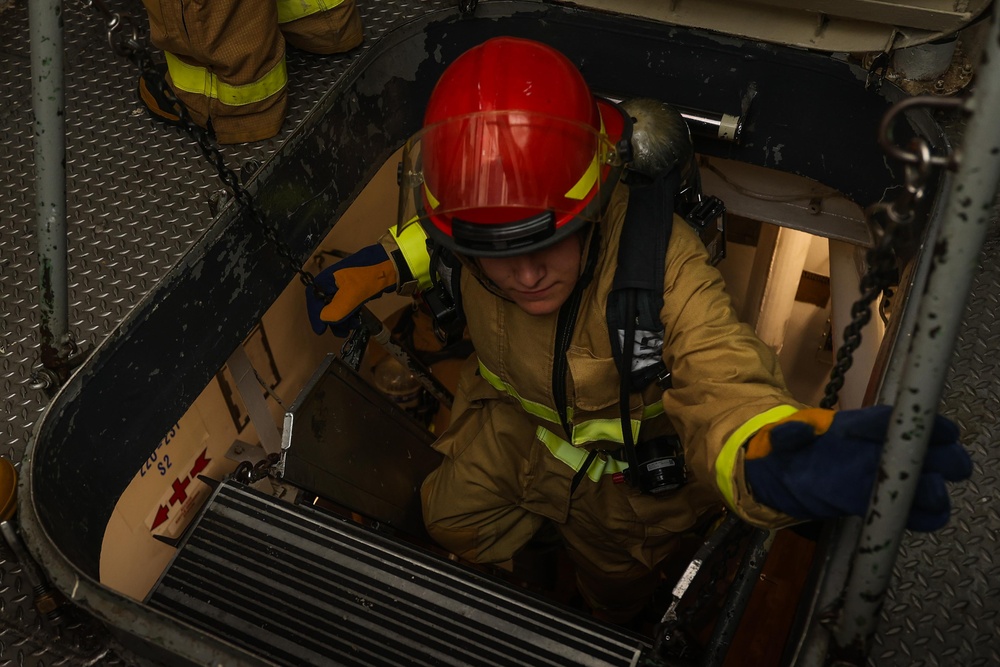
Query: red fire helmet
x,y
515,153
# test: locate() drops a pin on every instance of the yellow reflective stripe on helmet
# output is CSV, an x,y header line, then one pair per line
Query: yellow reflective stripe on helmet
x,y
586,182
412,242
199,81
532,408
290,10
726,461
575,457
431,199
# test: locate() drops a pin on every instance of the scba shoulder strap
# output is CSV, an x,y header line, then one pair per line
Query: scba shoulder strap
x,y
633,313
642,251
637,290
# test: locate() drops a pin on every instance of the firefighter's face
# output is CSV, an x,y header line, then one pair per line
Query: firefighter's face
x,y
538,282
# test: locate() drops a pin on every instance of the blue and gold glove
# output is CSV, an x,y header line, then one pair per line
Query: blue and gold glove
x,y
349,283
821,464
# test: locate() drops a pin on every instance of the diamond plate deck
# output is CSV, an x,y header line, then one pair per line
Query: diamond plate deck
x,y
943,606
139,194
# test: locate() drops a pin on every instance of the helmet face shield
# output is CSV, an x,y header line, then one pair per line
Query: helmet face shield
x,y
500,183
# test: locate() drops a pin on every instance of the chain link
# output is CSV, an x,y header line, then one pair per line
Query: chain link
x,y
887,220
132,47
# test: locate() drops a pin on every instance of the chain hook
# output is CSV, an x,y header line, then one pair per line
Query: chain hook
x,y
127,44
354,347
918,173
901,210
885,134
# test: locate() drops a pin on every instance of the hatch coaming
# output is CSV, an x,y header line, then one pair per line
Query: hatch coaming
x,y
845,26
88,448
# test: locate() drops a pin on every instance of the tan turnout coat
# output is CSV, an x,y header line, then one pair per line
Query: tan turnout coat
x,y
499,482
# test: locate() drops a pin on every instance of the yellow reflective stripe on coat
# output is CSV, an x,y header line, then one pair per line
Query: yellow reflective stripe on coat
x,y
575,457
291,10
592,430
532,408
199,81
412,242
726,461
654,410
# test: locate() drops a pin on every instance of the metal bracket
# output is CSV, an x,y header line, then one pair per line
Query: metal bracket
x,y
250,391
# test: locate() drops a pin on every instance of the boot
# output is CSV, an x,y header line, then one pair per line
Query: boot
x,y
153,96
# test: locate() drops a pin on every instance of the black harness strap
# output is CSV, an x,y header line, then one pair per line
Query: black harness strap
x,y
642,251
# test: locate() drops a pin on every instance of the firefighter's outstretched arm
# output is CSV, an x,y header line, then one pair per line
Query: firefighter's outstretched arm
x,y
821,464
394,264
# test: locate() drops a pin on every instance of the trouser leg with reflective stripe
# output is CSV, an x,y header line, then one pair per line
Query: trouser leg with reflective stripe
x,y
320,26
226,63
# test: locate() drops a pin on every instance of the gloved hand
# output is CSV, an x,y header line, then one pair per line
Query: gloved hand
x,y
820,464
351,282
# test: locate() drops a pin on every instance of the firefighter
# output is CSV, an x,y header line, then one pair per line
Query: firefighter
x,y
225,61
516,174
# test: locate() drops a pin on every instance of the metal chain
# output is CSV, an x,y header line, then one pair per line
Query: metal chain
x,y
888,220
881,270
130,46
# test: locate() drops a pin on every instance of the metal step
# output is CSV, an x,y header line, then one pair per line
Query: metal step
x,y
294,585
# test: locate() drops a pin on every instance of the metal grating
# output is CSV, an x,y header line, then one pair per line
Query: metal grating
x,y
292,585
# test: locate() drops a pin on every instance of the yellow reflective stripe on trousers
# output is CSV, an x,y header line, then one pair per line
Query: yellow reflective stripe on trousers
x,y
593,430
412,243
575,457
290,10
726,461
199,81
